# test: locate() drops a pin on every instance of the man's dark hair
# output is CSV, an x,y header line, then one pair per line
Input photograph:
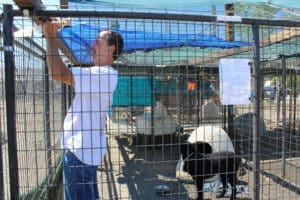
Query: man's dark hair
x,y
115,39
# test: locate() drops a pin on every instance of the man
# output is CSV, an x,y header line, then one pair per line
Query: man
x,y
83,139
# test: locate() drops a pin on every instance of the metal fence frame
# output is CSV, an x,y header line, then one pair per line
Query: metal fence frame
x,y
8,16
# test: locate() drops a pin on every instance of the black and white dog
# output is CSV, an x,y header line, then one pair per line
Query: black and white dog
x,y
201,163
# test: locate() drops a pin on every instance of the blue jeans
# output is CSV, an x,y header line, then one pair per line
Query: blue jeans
x,y
80,180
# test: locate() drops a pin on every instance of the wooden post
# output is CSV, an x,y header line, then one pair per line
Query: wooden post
x,y
64,4
229,27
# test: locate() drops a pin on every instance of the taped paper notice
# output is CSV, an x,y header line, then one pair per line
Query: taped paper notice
x,y
235,81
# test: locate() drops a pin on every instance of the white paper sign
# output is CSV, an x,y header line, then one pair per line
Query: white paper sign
x,y
235,81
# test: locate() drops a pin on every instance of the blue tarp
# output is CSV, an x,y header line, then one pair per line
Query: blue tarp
x,y
78,39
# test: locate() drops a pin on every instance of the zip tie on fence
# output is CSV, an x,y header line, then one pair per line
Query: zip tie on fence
x,y
9,48
26,13
225,18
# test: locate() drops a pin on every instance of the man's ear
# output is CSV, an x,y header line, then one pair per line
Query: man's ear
x,y
111,49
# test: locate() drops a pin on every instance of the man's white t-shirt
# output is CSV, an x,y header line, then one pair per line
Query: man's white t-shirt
x,y
85,123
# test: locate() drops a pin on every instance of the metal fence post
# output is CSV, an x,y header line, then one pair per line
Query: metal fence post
x,y
10,100
1,163
256,104
47,124
284,121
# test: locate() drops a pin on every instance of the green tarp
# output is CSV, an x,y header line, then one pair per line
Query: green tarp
x,y
133,91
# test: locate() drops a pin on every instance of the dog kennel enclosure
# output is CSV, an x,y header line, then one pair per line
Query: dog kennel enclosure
x,y
169,85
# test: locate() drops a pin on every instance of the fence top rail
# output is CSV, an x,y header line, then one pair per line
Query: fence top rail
x,y
158,16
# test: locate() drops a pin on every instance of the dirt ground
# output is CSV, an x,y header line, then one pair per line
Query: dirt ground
x,y
134,172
